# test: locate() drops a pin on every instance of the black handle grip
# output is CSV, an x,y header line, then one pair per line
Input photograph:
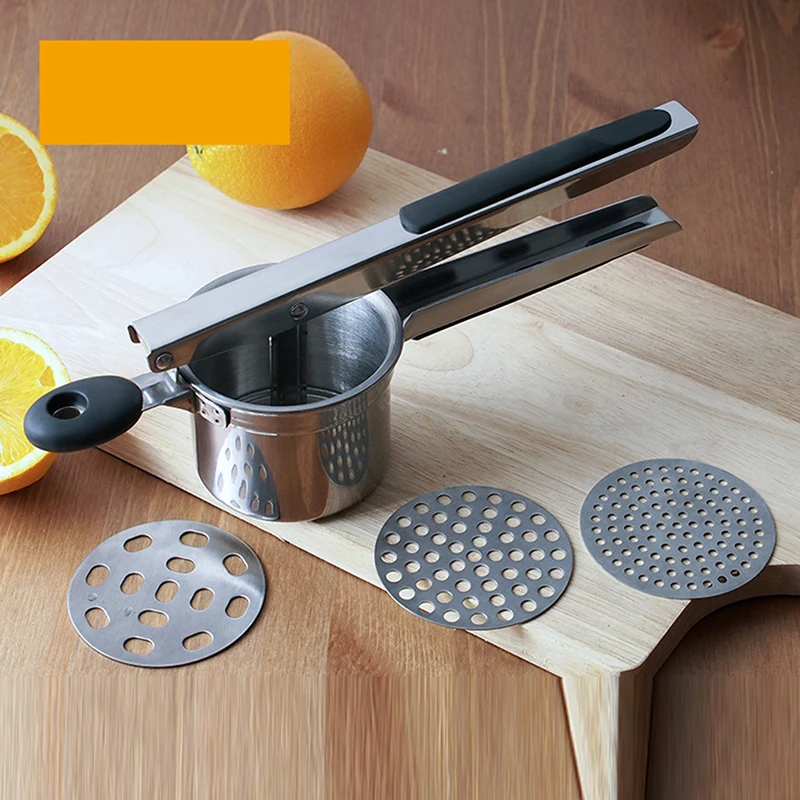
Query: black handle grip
x,y
529,171
83,414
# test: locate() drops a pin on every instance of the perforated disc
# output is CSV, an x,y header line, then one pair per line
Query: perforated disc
x,y
166,593
474,557
677,528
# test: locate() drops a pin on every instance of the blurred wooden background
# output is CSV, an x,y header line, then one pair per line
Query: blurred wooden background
x,y
377,703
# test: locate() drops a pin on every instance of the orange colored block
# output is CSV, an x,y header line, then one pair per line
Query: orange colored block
x,y
164,92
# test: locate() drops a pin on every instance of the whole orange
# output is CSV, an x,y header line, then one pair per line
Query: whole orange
x,y
330,125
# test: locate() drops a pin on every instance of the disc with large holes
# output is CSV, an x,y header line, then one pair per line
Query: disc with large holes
x,y
677,528
166,593
474,557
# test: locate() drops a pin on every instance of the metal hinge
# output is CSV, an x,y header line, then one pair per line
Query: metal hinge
x,y
216,415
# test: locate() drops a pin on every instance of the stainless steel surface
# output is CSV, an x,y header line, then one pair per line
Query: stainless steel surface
x,y
305,461
242,479
291,403
298,311
677,528
297,426
377,257
263,457
474,557
490,278
130,615
165,361
292,462
345,450
163,390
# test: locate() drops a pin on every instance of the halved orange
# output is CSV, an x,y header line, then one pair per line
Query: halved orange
x,y
28,369
28,188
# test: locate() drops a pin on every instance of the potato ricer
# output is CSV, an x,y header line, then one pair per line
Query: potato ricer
x,y
286,367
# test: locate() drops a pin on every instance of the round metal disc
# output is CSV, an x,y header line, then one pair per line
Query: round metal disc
x,y
166,593
474,557
677,528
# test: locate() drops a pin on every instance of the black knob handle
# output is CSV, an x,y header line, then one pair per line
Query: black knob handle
x,y
83,414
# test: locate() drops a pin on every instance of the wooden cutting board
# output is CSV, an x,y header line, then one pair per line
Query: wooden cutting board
x,y
630,361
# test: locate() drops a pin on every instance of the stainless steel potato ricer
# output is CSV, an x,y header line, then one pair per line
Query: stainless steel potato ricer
x,y
286,367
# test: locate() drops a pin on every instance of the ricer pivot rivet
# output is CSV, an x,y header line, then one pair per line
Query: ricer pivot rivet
x,y
165,361
298,310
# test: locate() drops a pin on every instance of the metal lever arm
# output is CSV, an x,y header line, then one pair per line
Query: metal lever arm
x,y
474,284
535,169
382,255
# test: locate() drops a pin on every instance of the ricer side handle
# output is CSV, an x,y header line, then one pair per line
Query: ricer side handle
x,y
83,414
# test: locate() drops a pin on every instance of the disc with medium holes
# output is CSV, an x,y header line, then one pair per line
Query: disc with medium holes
x,y
677,528
474,557
166,593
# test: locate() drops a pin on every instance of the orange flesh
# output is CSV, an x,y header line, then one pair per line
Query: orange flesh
x,y
21,191
24,377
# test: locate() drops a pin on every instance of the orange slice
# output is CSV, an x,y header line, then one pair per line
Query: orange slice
x,y
28,369
28,188
331,123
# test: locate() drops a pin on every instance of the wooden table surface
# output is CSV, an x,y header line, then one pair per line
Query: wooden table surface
x,y
359,698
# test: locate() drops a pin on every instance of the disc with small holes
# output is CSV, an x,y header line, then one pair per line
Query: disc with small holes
x,y
677,528
166,593
474,557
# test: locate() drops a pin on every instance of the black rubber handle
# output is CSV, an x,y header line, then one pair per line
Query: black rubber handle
x,y
83,414
529,171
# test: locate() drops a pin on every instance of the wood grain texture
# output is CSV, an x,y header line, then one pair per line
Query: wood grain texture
x,y
458,87
610,718
578,399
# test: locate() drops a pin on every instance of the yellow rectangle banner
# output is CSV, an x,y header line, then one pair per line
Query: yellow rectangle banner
x,y
164,92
